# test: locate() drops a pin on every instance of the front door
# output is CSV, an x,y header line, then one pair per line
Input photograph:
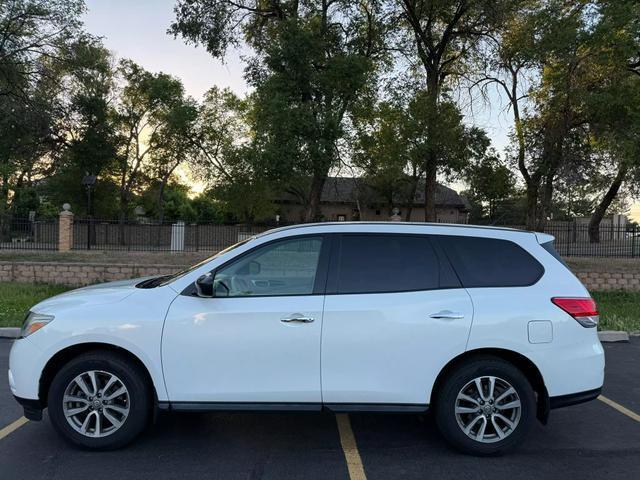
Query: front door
x,y
258,339
394,316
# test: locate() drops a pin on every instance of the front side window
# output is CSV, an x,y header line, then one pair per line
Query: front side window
x,y
286,267
382,263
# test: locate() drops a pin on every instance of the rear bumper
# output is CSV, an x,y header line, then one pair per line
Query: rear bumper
x,y
32,408
574,398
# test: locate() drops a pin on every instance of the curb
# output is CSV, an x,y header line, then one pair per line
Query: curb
x,y
613,336
9,332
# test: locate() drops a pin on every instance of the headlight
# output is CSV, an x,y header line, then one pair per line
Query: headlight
x,y
34,322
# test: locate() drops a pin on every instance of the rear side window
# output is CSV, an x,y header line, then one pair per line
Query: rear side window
x,y
490,262
386,263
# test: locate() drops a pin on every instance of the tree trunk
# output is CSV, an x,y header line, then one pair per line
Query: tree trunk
x,y
545,203
312,213
601,209
431,160
122,218
430,193
4,195
411,197
532,204
160,201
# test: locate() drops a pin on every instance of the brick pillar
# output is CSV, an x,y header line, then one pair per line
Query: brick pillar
x,y
65,229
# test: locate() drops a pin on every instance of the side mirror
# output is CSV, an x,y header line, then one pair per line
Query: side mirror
x,y
204,285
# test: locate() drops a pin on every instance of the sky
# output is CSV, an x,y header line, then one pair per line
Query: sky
x,y
138,30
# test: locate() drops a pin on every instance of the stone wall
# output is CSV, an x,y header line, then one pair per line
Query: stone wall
x,y
598,281
77,274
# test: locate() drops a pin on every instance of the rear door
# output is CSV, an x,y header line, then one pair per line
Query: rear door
x,y
394,315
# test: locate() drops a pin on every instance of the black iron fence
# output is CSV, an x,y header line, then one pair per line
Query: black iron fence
x,y
97,234
23,233
573,238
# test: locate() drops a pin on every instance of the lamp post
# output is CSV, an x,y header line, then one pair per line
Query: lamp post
x,y
89,181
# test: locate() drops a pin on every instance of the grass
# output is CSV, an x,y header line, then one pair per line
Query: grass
x,y
618,310
17,298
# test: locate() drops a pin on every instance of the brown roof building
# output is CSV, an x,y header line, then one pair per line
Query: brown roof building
x,y
349,198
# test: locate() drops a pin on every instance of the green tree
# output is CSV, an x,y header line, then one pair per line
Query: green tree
x,y
491,182
173,145
392,141
33,37
441,35
31,30
176,205
535,60
208,209
614,107
311,61
86,130
145,102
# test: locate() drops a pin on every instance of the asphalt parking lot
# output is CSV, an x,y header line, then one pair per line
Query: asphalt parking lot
x,y
593,440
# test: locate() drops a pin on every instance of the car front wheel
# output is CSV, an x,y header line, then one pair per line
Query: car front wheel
x,y
99,400
485,407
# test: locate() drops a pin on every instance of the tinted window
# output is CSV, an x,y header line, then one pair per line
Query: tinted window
x,y
287,267
550,247
489,262
386,263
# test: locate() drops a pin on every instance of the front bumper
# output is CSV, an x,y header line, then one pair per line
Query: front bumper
x,y
25,369
32,408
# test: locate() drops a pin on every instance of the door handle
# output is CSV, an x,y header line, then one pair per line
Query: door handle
x,y
297,318
448,314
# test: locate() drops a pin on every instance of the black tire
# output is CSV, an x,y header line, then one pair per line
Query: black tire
x,y
133,378
445,404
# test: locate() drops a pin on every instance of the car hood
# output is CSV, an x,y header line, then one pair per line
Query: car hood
x,y
100,294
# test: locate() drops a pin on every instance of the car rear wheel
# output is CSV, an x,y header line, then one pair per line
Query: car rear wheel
x,y
100,400
486,406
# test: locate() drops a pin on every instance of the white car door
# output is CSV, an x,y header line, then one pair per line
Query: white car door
x,y
393,317
258,339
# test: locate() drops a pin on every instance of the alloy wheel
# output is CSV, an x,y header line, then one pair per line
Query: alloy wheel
x,y
488,409
96,403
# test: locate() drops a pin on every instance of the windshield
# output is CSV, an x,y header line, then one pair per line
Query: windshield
x,y
165,279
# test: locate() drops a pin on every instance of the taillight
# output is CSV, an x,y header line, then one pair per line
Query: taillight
x,y
584,310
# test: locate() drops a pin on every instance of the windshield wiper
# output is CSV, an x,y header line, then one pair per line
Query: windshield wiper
x,y
154,282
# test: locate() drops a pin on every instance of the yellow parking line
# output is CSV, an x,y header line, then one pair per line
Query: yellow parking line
x,y
12,427
350,448
620,408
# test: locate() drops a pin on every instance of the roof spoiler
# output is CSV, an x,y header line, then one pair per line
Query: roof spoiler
x,y
544,237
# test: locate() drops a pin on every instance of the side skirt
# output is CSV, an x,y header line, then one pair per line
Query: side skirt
x,y
239,407
376,407
291,407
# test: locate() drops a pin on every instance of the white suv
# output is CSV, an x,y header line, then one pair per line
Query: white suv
x,y
485,327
